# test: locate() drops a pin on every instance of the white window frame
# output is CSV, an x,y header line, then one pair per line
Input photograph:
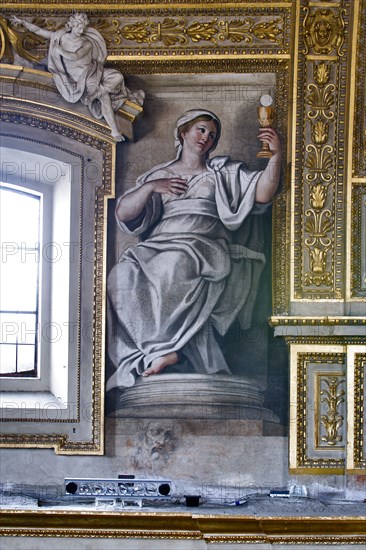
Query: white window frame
x,y
51,391
69,415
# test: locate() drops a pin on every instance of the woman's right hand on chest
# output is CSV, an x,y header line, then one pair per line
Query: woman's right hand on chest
x,y
170,186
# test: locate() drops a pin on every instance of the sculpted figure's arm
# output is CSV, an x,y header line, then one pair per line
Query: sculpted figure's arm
x,y
31,27
132,205
268,182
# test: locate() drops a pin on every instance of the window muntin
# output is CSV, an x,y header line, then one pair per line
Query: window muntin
x,y
20,235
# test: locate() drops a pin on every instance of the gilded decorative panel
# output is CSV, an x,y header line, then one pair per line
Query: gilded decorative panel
x,y
356,455
319,415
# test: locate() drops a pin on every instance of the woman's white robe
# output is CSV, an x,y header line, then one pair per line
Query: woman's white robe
x,y
186,279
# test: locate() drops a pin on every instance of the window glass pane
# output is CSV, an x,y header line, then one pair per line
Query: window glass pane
x,y
20,221
25,358
7,359
19,217
19,281
17,328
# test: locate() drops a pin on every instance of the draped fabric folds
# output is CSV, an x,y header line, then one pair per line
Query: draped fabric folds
x,y
86,79
187,279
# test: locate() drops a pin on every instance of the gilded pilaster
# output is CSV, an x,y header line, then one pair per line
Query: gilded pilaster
x,y
320,151
356,172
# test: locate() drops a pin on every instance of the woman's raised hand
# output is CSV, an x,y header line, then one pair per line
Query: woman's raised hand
x,y
270,136
170,186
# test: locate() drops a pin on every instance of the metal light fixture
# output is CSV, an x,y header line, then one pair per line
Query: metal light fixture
x,y
123,492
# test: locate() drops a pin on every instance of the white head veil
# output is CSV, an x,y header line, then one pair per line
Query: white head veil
x,y
188,116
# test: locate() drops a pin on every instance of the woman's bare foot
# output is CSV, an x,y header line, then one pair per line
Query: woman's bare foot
x,y
160,363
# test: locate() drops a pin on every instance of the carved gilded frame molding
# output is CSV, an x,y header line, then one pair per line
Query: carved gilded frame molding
x,y
184,526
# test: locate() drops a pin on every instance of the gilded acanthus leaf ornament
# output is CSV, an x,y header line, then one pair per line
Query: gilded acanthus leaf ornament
x,y
321,93
109,30
175,31
321,99
244,30
318,260
332,396
321,74
318,197
138,32
268,30
318,225
236,31
172,31
319,132
319,163
47,24
203,31
324,31
318,276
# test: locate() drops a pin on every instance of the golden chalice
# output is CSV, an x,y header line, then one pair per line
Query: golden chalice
x,y
265,118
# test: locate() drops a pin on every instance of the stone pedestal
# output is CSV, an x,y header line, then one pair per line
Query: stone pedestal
x,y
194,396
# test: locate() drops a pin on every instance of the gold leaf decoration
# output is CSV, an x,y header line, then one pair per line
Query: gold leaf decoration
x,y
333,420
318,225
319,132
318,279
109,30
310,226
138,32
321,99
48,24
169,31
322,74
318,197
236,30
318,260
319,162
18,41
203,31
324,31
173,31
268,30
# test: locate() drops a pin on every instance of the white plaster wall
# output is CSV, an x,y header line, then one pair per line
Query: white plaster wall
x,y
209,457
